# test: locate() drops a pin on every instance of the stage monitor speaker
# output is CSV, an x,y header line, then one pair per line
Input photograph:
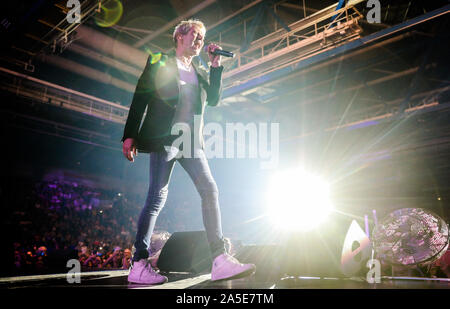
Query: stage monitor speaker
x,y
186,252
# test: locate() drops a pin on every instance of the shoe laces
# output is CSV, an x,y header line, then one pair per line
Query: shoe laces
x,y
148,266
232,259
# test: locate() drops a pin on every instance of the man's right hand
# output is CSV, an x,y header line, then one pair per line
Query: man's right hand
x,y
129,149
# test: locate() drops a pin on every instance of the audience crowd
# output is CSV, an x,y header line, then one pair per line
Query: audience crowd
x,y
50,222
54,221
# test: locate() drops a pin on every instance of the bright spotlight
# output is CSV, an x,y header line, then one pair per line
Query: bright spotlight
x,y
298,200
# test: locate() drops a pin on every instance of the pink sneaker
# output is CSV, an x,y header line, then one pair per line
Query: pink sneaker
x,y
142,272
227,267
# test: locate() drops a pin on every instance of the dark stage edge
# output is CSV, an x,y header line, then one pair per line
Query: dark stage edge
x,y
117,279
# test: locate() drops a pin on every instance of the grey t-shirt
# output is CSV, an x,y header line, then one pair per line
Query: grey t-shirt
x,y
188,98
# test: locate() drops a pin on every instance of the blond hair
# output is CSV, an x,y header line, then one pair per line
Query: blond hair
x,y
184,26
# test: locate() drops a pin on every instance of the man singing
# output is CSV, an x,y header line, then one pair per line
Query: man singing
x,y
175,91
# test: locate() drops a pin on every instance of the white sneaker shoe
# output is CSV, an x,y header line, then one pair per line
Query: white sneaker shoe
x,y
142,272
227,267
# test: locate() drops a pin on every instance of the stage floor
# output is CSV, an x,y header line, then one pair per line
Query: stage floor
x,y
117,279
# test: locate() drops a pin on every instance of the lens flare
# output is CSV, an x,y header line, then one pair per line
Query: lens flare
x,y
154,57
110,14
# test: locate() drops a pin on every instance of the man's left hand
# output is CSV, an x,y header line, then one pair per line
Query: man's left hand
x,y
214,59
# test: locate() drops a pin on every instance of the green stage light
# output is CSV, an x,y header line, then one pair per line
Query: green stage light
x,y
110,14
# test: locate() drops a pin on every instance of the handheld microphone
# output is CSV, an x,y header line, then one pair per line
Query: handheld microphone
x,y
220,52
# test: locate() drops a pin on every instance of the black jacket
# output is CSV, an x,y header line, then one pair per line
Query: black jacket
x,y
158,91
